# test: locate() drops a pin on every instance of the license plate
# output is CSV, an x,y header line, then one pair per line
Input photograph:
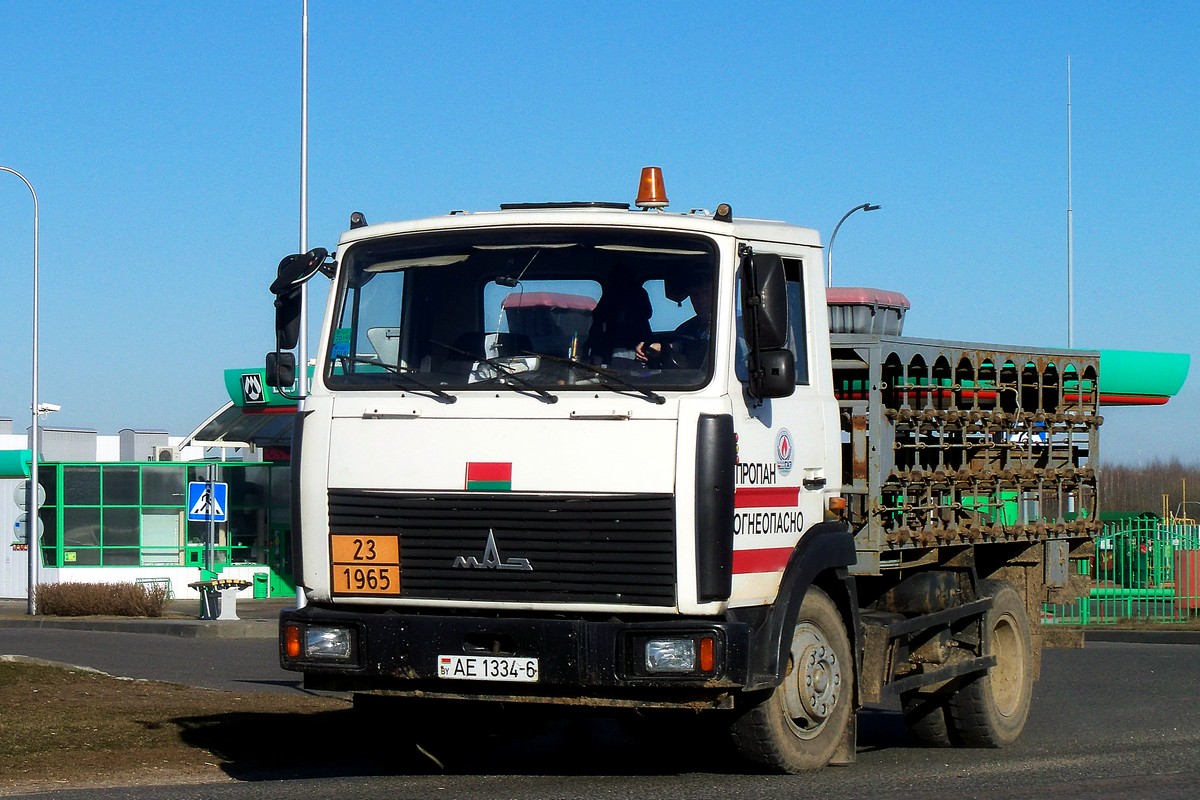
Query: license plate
x,y
488,668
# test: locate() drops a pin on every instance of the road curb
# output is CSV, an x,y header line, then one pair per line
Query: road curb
x,y
1142,637
187,629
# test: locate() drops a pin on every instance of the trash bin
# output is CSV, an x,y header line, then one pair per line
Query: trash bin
x,y
262,586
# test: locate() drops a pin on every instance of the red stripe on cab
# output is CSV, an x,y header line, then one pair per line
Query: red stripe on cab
x,y
771,559
766,496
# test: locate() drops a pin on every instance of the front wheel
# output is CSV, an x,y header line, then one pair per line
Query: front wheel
x,y
991,710
799,725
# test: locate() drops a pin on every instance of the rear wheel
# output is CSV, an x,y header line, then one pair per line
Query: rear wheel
x,y
991,710
799,725
927,718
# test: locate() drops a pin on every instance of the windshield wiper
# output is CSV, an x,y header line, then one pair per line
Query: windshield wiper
x,y
500,366
508,373
613,381
400,376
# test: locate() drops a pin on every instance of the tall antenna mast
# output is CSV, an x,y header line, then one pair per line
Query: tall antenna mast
x,y
1070,225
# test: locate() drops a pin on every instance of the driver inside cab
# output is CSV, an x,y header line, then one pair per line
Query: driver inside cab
x,y
689,342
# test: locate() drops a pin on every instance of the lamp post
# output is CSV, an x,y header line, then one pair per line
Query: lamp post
x,y
32,541
832,236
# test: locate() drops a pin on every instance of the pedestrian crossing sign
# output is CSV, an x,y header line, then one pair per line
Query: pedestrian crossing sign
x,y
207,502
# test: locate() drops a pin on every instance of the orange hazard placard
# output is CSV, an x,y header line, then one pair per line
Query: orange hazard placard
x,y
365,564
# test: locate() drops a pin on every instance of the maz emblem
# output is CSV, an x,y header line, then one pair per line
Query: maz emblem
x,y
491,559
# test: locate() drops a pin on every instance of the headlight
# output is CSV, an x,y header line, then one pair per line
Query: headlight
x,y
671,655
328,644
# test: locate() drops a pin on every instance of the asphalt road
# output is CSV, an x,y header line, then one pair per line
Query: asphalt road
x,y
1113,720
233,664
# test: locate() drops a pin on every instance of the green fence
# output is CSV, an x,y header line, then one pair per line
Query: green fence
x,y
1144,569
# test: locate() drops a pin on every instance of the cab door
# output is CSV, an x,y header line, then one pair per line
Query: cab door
x,y
784,468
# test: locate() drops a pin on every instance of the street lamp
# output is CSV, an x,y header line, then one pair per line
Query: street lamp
x,y
32,541
832,236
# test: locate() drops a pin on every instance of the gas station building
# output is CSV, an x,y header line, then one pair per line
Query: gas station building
x,y
147,507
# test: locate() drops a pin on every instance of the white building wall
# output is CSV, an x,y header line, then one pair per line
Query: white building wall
x,y
14,564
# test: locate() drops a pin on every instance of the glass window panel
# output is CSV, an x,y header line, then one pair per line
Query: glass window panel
x,y
160,537
48,478
81,486
120,527
164,486
81,527
258,480
120,556
155,556
281,487
198,531
200,473
49,526
120,486
83,557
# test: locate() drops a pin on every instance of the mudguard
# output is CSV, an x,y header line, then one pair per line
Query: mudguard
x,y
827,547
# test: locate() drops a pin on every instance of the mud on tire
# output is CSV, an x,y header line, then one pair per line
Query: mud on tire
x,y
990,711
798,726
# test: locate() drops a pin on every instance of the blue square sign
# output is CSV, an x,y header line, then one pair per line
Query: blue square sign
x,y
207,502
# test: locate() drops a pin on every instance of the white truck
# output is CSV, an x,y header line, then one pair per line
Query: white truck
x,y
583,454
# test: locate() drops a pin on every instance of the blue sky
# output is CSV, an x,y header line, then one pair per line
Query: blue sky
x,y
163,140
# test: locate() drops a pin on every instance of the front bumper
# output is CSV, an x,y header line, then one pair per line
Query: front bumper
x,y
582,661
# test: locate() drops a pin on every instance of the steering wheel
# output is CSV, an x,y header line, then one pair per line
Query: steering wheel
x,y
679,351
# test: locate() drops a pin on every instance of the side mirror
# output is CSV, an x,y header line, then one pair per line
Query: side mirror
x,y
296,270
287,320
281,370
293,272
772,366
776,374
764,296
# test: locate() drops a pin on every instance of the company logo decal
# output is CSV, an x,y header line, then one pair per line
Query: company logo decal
x,y
252,388
784,451
491,559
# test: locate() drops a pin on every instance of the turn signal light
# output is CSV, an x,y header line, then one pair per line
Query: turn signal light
x,y
291,641
652,192
708,656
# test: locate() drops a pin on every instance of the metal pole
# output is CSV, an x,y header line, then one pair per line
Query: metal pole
x,y
302,349
1070,226
210,539
832,236
302,385
32,540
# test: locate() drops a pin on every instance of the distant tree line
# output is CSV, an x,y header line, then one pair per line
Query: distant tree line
x,y
1134,489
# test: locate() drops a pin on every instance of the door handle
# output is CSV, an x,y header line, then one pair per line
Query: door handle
x,y
812,484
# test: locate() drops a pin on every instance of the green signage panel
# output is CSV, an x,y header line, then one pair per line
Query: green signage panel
x,y
15,463
248,389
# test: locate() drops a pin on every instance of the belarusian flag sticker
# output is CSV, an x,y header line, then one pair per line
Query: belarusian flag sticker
x,y
489,476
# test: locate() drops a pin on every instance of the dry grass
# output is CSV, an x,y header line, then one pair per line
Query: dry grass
x,y
66,727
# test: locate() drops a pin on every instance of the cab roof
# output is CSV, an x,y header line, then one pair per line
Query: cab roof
x,y
592,213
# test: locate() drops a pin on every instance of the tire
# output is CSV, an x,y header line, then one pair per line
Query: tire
x,y
798,726
927,718
991,710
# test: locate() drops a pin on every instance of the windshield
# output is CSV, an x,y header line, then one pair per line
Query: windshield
x,y
531,309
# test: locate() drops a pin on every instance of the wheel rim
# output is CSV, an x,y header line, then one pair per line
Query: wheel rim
x,y
1007,677
814,681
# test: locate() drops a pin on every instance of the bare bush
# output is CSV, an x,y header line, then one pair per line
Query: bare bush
x,y
101,599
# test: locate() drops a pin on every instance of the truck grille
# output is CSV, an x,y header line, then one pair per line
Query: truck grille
x,y
582,549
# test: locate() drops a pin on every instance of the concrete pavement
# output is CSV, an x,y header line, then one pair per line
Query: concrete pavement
x,y
257,619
